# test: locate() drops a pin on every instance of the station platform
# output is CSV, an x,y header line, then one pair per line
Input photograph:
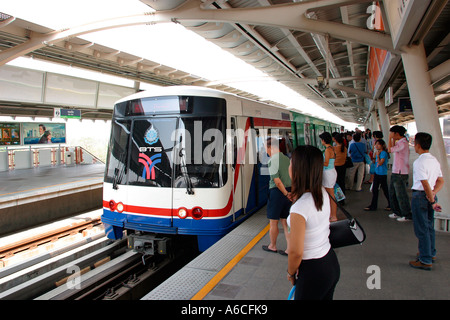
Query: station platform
x,y
236,267
31,197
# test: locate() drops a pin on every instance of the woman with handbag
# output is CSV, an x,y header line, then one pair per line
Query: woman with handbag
x,y
312,264
329,172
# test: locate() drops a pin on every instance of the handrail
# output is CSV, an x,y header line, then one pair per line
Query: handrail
x,y
12,157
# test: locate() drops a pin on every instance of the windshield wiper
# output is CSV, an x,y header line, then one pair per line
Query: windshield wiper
x,y
118,173
184,172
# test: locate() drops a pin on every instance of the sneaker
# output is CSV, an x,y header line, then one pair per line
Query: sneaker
x,y
403,219
394,216
419,265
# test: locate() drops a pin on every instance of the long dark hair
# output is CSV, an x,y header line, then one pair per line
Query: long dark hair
x,y
340,139
307,171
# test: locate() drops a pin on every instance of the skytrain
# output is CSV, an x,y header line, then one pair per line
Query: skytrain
x,y
191,161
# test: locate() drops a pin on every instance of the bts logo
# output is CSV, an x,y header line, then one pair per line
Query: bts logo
x,y
149,165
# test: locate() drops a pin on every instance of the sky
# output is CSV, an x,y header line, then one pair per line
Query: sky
x,y
169,44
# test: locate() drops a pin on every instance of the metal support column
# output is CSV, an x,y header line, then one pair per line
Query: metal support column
x,y
384,118
425,111
375,124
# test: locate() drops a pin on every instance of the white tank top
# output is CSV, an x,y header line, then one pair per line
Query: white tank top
x,y
316,243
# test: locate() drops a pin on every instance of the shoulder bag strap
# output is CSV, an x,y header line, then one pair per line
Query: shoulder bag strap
x,y
346,213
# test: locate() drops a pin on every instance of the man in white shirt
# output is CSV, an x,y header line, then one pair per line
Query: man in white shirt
x,y
427,182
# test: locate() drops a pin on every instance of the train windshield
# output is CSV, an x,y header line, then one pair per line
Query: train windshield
x,y
180,151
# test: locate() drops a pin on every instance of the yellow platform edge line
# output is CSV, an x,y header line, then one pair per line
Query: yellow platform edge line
x,y
224,271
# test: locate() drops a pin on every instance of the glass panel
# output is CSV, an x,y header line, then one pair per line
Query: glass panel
x,y
151,155
203,156
117,156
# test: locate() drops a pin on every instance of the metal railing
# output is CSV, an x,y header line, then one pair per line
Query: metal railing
x,y
12,158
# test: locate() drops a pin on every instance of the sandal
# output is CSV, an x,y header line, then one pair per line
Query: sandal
x,y
266,248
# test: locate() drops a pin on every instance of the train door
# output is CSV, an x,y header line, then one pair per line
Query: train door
x,y
319,130
250,146
238,129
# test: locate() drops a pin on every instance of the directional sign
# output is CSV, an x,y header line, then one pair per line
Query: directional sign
x,y
70,113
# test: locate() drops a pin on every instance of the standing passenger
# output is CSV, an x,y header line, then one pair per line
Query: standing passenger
x,y
279,194
329,172
357,150
312,264
399,147
427,182
380,178
339,164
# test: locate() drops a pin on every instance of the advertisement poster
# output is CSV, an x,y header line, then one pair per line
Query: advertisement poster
x,y
9,134
43,133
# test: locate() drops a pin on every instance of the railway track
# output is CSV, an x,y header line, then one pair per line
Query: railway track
x,y
58,235
90,268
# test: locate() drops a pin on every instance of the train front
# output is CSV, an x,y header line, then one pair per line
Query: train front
x,y
166,172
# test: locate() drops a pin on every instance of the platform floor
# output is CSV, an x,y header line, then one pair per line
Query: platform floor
x,y
390,245
261,275
32,197
236,268
21,182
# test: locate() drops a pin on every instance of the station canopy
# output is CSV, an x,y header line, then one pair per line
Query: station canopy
x,y
340,54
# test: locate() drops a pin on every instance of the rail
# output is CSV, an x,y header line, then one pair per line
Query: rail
x,y
12,158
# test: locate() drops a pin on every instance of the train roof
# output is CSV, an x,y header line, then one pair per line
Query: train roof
x,y
208,92
177,90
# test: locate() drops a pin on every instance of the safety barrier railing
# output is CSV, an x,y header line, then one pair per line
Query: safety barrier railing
x,y
12,158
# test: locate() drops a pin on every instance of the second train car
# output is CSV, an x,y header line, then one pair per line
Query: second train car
x,y
191,161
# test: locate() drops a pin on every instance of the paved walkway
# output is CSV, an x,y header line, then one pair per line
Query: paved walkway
x,y
381,260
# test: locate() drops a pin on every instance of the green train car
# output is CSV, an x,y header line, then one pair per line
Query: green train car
x,y
306,129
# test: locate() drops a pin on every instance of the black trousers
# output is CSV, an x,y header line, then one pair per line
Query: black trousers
x,y
379,181
317,278
341,170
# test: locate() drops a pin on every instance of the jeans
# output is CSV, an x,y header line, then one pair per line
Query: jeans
x,y
398,197
423,219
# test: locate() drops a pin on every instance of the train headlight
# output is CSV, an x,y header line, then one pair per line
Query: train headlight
x,y
197,213
119,207
182,213
112,205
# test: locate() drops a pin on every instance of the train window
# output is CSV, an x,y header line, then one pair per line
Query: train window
x,y
202,160
151,152
171,105
158,105
117,157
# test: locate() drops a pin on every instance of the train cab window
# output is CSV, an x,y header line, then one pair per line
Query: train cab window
x,y
116,163
151,152
201,159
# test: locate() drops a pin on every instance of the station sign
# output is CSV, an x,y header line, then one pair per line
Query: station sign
x,y
67,113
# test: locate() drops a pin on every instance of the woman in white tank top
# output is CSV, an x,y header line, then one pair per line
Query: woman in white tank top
x,y
312,263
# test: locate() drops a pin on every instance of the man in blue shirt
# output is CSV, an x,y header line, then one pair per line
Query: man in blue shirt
x,y
357,151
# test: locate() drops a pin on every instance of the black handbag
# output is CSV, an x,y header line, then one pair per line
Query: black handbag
x,y
348,162
346,232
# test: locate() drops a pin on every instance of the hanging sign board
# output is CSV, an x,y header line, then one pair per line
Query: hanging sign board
x,y
70,114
